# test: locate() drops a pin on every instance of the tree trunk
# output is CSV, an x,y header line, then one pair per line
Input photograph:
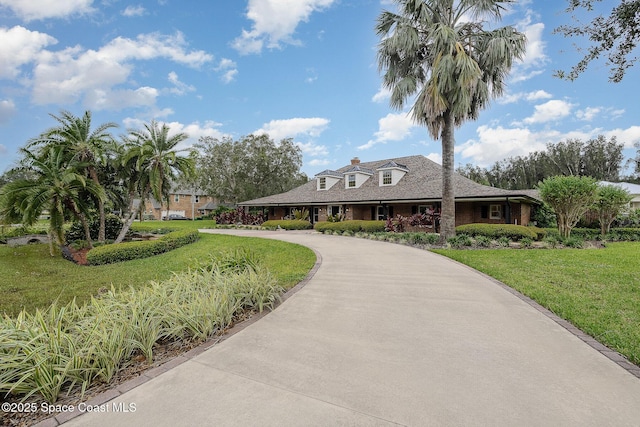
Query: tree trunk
x,y
102,229
448,216
127,225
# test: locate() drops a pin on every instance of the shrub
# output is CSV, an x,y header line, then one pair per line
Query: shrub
x,y
495,231
351,225
127,251
573,242
526,242
503,241
239,216
459,241
112,224
287,224
483,241
73,346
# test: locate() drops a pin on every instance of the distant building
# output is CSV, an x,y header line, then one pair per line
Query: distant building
x,y
187,202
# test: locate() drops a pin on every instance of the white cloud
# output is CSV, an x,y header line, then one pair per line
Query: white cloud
x,y
110,99
628,136
274,22
30,10
132,11
7,110
290,128
535,57
179,88
550,111
73,74
194,130
392,127
228,67
319,162
528,96
588,114
312,149
19,47
382,95
498,143
435,157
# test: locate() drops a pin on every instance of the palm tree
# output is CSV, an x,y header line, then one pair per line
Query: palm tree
x,y
438,52
58,187
157,162
89,147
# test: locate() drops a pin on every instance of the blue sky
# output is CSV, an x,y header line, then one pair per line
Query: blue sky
x,y
304,69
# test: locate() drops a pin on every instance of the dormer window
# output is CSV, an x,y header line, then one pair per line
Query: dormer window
x,y
327,179
356,175
391,172
386,177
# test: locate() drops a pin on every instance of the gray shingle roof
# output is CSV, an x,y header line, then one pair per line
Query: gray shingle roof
x,y
328,172
360,169
422,182
392,164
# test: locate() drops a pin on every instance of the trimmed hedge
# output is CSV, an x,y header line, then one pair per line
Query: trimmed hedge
x,y
495,231
287,224
127,251
351,225
615,234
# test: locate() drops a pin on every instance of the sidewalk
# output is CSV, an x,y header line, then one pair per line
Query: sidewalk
x,y
386,334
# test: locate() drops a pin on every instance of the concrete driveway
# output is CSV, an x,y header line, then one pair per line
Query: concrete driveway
x,y
386,334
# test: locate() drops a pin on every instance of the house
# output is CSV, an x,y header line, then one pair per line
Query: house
x,y
405,186
187,202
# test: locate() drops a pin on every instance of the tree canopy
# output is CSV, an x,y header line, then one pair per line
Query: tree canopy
x,y
569,197
615,36
253,166
598,158
440,55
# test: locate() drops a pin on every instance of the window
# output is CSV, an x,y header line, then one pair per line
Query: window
x,y
197,199
381,215
352,181
495,211
323,183
386,178
423,209
333,210
176,197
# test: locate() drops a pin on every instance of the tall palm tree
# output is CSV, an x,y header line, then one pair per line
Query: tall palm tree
x,y
82,144
157,162
438,53
58,187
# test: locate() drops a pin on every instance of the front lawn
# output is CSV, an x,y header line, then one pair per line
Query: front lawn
x,y
598,290
30,278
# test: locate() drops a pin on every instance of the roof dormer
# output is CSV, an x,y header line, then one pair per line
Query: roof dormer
x,y
355,176
390,173
327,179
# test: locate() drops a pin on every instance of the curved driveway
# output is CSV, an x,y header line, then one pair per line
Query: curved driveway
x,y
386,334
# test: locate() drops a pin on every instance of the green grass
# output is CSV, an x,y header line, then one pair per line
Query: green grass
x,y
30,278
598,290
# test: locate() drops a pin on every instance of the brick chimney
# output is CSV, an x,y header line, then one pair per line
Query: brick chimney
x,y
355,161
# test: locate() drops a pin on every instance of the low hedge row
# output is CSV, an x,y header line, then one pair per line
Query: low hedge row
x,y
351,225
287,224
615,234
110,254
495,231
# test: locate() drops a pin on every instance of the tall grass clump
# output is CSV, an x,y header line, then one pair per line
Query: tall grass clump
x,y
71,346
